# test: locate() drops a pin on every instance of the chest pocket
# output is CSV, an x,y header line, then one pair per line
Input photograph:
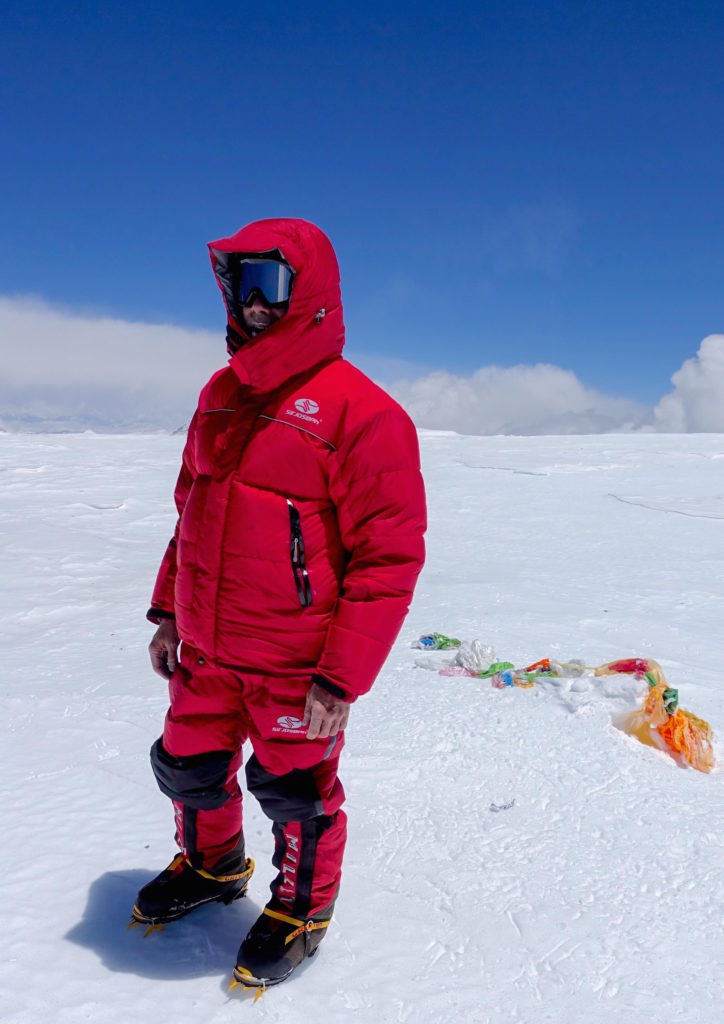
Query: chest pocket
x,y
222,438
290,461
212,427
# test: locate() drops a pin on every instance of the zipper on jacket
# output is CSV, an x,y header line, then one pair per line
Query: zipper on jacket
x,y
299,567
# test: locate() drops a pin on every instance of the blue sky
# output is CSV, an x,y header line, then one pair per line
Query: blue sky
x,y
504,184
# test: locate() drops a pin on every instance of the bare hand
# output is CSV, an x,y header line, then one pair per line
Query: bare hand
x,y
325,714
163,648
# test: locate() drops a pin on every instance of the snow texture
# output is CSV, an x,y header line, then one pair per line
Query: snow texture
x,y
512,857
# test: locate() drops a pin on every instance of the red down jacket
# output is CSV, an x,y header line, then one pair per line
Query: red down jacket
x,y
300,500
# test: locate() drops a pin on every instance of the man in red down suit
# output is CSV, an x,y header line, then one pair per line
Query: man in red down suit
x,y
298,545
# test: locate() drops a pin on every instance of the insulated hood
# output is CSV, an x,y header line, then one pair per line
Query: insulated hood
x,y
312,330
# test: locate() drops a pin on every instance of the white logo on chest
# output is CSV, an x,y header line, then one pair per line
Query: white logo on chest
x,y
307,405
304,409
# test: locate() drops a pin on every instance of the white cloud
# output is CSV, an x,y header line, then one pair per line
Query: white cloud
x,y
538,399
62,370
68,371
697,402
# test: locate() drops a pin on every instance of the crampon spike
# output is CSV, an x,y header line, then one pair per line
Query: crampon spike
x,y
259,990
150,927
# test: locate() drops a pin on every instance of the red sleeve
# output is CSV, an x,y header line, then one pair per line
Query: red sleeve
x,y
162,602
378,491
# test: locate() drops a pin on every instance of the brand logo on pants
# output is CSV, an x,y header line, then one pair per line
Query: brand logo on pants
x,y
289,722
178,813
287,889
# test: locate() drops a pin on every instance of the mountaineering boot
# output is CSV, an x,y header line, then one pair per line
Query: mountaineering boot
x,y
276,944
180,888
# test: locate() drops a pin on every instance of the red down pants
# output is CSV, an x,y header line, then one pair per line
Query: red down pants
x,y
213,711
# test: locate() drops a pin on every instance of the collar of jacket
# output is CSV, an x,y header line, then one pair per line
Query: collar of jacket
x,y
286,349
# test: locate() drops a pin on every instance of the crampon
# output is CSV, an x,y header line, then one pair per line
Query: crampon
x,y
181,888
275,946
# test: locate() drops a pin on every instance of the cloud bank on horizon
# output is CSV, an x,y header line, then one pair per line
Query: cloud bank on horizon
x,y
537,399
68,371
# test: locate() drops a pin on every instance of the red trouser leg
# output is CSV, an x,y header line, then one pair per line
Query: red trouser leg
x,y
212,712
197,767
295,781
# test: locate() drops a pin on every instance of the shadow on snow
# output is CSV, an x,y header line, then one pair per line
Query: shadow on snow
x,y
202,944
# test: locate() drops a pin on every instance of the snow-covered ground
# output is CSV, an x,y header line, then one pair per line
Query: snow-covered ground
x,y
598,896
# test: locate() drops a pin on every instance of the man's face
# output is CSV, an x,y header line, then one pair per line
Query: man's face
x,y
258,315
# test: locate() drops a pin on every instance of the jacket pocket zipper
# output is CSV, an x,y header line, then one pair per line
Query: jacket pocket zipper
x,y
299,567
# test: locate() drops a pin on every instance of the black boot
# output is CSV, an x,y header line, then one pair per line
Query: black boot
x,y
180,889
277,944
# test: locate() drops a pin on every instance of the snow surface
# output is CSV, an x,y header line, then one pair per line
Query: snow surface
x,y
598,896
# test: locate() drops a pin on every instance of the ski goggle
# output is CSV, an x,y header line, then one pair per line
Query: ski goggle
x,y
272,279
